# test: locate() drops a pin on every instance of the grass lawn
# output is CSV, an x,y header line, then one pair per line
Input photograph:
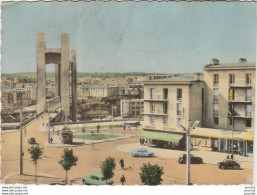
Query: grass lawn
x,y
96,136
94,127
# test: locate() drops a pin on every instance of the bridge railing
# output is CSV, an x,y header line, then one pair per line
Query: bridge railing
x,y
53,102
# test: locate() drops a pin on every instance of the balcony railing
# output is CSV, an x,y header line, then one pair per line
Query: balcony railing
x,y
215,97
216,82
240,98
239,84
215,112
156,98
248,114
241,115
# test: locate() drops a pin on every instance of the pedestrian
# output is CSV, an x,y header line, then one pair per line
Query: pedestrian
x,y
51,140
124,127
121,163
232,156
92,145
123,180
227,156
97,128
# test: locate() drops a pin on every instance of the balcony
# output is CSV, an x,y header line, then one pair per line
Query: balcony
x,y
215,113
156,98
240,99
215,97
240,84
156,114
241,115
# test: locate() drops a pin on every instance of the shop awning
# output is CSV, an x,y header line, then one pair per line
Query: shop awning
x,y
162,136
222,134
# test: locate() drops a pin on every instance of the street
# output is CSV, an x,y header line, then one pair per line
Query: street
x,y
89,161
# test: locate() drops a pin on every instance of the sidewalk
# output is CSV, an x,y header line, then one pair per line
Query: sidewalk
x,y
208,156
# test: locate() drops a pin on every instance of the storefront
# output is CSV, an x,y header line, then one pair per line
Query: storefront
x,y
223,140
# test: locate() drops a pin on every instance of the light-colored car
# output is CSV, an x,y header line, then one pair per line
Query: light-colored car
x,y
143,152
96,179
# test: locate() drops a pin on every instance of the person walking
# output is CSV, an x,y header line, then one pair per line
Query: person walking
x,y
122,180
227,156
51,140
232,156
121,163
93,145
98,128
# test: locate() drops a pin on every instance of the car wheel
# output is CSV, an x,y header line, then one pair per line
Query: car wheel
x,y
136,155
84,182
222,166
236,166
150,155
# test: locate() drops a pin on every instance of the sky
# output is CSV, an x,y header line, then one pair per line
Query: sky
x,y
161,37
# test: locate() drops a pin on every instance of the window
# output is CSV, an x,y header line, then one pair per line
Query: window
x,y
152,93
165,120
216,120
216,94
215,109
231,78
179,94
179,121
165,93
231,94
248,110
248,94
179,109
165,108
248,123
248,79
152,119
152,107
215,79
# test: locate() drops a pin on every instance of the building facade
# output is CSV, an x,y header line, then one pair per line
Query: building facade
x,y
132,108
170,103
229,105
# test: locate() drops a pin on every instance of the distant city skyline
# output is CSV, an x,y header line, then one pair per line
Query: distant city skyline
x,y
161,37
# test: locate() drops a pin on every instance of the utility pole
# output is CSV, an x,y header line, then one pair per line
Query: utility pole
x,y
21,143
188,147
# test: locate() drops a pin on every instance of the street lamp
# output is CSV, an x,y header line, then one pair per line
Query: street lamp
x,y
188,160
21,144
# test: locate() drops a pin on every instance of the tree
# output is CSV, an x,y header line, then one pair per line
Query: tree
x,y
36,153
107,168
68,160
151,174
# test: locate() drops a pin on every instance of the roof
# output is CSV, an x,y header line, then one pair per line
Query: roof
x,y
232,65
174,79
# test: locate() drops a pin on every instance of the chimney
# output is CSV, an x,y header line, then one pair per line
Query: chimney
x,y
214,61
197,77
242,60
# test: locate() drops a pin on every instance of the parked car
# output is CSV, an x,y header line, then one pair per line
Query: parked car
x,y
96,179
194,159
228,163
32,140
143,152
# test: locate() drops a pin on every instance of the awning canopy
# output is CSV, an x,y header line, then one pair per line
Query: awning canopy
x,y
162,136
222,134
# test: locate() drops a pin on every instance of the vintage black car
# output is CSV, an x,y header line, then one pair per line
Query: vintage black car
x,y
32,140
194,159
228,164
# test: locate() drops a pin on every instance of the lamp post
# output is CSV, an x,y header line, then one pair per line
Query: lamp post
x,y
188,157
48,127
21,144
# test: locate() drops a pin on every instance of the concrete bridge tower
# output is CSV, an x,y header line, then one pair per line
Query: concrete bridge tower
x,y
63,67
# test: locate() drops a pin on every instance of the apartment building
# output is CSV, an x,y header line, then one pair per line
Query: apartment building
x,y
132,108
14,98
229,107
168,104
103,91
